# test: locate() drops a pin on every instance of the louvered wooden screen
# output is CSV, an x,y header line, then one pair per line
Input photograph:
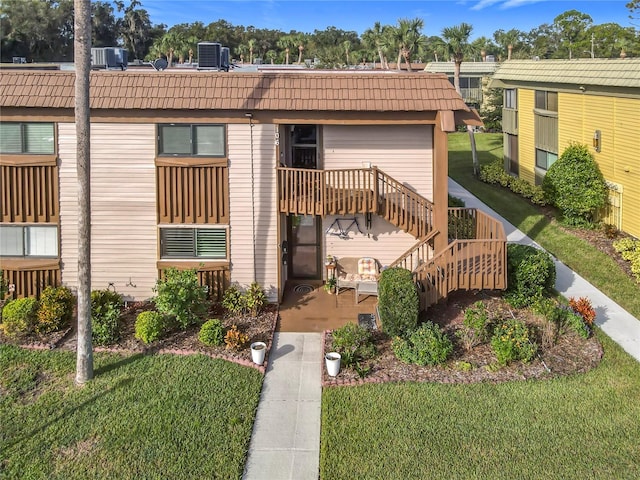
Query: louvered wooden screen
x,y
193,194
29,194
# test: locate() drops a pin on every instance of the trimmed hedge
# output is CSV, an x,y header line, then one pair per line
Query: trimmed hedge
x,y
19,316
398,302
531,275
56,309
493,173
151,326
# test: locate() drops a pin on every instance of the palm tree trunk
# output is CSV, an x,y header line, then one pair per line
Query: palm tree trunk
x,y
82,58
456,76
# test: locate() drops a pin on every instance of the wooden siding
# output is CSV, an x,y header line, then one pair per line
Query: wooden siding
x,y
123,208
526,146
405,152
259,210
30,277
580,115
193,194
29,193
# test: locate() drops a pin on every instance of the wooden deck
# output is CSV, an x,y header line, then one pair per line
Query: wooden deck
x,y
318,310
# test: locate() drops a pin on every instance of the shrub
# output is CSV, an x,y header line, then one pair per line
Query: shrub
x,y
531,274
455,202
493,173
510,342
235,339
461,226
582,306
398,302
4,287
475,326
629,250
255,299
19,316
428,345
576,322
234,301
354,343
576,186
180,295
150,326
555,317
106,306
56,309
212,333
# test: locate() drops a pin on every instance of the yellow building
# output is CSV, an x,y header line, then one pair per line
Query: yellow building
x,y
549,104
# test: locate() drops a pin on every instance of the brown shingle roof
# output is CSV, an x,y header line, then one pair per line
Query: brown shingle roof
x,y
308,91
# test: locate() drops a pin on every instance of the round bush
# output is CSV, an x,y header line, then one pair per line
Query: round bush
x,y
212,333
106,306
428,345
150,326
575,185
531,275
398,302
56,309
19,316
511,342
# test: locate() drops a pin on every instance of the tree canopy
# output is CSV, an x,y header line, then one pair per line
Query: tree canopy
x,y
41,31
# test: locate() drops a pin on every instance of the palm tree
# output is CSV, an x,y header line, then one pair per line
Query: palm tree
x,y
457,45
347,47
82,59
407,38
375,39
241,50
271,55
286,43
251,44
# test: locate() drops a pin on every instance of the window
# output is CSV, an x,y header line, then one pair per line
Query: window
x,y
191,140
547,100
544,159
28,241
510,98
36,138
193,243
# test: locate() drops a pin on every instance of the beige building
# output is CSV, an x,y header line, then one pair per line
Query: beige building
x,y
243,176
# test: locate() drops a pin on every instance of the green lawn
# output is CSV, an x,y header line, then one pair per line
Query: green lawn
x,y
576,427
143,417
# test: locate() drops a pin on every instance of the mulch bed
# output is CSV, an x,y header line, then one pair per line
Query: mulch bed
x,y
570,354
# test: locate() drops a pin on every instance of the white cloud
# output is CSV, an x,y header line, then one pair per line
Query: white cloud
x,y
484,4
504,4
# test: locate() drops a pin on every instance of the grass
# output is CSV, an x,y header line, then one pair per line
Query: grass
x,y
595,266
575,427
142,417
582,426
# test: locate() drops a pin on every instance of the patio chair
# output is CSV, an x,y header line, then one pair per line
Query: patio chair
x,y
360,274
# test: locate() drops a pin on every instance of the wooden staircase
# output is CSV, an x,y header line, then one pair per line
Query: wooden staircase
x,y
475,257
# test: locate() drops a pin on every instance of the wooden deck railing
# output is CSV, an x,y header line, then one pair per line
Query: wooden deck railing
x,y
352,191
476,263
417,255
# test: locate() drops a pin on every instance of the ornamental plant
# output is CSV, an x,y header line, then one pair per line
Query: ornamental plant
x,y
234,301
255,299
19,317
582,306
56,309
511,342
235,339
475,326
180,295
212,333
354,344
398,302
150,326
106,308
576,186
428,345
531,275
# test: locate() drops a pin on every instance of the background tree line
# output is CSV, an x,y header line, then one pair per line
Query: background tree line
x,y
42,30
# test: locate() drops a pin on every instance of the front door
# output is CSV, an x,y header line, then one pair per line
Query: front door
x,y
303,235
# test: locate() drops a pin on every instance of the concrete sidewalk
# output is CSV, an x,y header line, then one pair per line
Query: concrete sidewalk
x,y
285,444
614,320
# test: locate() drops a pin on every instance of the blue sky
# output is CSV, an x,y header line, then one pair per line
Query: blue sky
x,y
486,16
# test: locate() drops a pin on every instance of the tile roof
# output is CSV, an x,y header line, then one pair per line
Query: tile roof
x,y
290,91
598,72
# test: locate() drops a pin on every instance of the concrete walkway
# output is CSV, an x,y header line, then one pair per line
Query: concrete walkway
x,y
614,320
285,444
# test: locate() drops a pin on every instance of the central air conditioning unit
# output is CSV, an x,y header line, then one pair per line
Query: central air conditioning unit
x,y
224,59
109,58
209,56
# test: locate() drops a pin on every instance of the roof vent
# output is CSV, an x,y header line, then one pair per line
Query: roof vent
x,y
109,58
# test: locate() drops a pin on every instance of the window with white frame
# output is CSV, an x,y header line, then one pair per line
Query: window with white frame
x,y
544,159
32,137
191,140
28,241
190,243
